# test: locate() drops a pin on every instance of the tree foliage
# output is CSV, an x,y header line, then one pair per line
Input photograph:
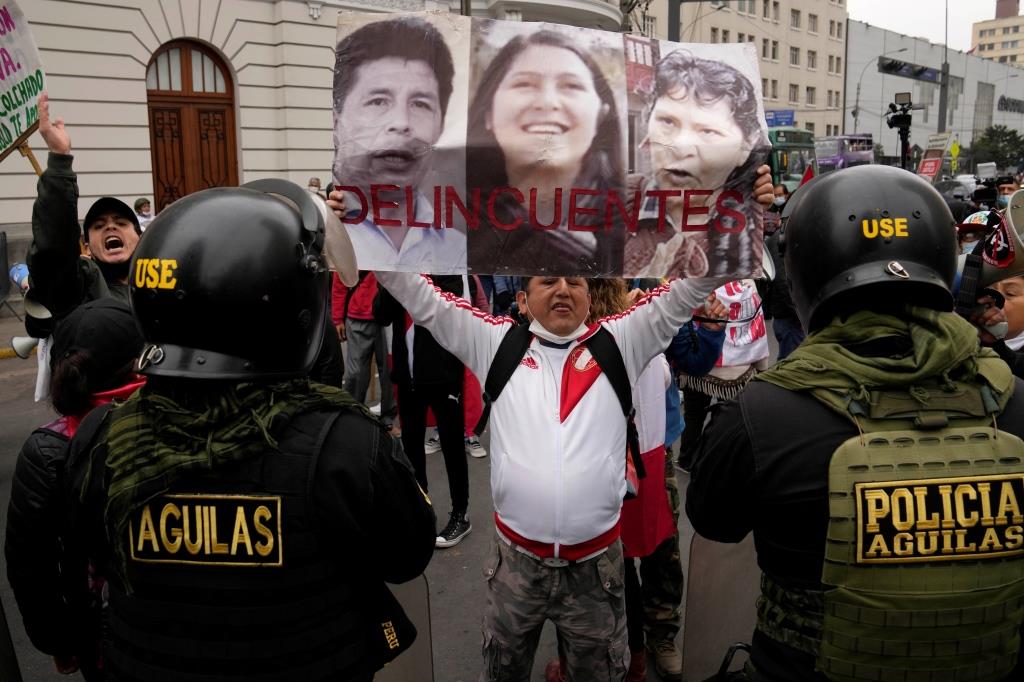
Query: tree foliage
x,y
998,143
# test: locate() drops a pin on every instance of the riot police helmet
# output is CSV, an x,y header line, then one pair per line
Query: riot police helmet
x,y
232,284
868,237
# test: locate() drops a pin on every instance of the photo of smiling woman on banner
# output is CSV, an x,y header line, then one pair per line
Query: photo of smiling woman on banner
x,y
705,137
545,147
400,98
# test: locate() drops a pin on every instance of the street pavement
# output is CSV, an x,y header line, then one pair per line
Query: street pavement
x,y
457,588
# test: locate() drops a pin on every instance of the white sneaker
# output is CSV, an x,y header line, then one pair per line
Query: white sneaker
x,y
432,445
474,448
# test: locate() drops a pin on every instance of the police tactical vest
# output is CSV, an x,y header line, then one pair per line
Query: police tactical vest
x,y
924,557
230,578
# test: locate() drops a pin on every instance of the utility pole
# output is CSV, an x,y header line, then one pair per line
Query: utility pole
x,y
467,8
673,20
944,85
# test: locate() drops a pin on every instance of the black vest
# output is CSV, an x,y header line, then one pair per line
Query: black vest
x,y
230,578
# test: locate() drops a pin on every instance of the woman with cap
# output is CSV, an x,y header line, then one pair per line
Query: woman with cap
x,y
61,278
143,212
93,363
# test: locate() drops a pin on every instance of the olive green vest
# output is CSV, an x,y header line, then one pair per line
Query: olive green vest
x,y
924,557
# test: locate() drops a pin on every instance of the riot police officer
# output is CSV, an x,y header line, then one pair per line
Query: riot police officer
x,y
880,466
243,517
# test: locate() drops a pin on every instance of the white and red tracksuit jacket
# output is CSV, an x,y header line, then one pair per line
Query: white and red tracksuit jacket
x,y
558,436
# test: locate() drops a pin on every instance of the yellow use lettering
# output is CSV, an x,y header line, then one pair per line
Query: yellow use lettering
x,y
155,273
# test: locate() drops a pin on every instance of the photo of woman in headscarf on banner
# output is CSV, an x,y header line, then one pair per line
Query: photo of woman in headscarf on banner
x,y
546,118
705,136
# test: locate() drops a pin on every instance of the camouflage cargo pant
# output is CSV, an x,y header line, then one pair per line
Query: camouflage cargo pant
x,y
584,601
661,573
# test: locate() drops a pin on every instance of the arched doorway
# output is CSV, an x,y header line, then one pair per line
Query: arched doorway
x,y
191,121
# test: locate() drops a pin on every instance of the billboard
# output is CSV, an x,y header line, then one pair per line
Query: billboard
x,y
493,147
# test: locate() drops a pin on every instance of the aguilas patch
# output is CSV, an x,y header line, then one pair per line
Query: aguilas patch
x,y
948,519
213,530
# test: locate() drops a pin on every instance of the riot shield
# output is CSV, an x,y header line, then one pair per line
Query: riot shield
x,y
721,595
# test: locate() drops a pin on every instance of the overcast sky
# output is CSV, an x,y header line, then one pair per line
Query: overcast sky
x,y
924,18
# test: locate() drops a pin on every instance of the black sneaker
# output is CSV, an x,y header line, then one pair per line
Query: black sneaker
x,y
458,527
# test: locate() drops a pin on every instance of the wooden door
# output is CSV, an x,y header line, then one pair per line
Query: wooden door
x,y
191,122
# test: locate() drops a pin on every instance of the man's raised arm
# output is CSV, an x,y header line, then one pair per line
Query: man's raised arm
x,y
53,255
469,334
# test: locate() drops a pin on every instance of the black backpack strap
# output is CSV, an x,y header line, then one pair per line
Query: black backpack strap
x,y
510,351
607,354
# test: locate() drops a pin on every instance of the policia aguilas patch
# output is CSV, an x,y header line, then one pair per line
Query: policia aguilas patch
x,y
213,530
943,519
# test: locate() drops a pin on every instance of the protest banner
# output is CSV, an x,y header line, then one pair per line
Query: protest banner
x,y
483,146
21,79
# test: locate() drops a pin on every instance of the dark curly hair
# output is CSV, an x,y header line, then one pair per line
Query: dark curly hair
x,y
679,75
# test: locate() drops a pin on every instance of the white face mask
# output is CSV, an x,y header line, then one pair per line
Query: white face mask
x,y
779,201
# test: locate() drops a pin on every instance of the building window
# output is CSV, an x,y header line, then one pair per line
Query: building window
x,y
838,98
741,37
775,89
650,25
811,94
794,56
794,92
775,10
1013,57
828,98
809,127
725,36
764,48
764,10
832,28
750,38
775,50
812,23
981,47
1006,30
1016,29
714,35
794,18
831,64
839,64
1002,60
839,30
752,7
764,87
812,59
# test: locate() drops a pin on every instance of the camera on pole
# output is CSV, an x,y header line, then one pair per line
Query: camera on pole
x,y
899,117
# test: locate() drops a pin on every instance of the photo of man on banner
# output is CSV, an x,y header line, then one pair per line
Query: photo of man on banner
x,y
546,147
705,137
399,138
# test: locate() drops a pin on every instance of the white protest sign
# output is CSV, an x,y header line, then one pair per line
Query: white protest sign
x,y
21,79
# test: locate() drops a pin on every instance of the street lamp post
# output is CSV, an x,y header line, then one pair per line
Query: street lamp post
x,y
856,105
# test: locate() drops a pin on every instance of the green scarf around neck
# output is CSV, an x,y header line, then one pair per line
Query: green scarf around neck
x,y
941,346
153,440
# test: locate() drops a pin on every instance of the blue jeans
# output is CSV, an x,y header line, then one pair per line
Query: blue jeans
x,y
789,334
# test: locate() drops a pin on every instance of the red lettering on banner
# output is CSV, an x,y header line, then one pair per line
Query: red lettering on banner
x,y
362,202
380,204
492,216
689,210
663,195
726,210
471,216
582,210
410,209
757,329
630,220
556,220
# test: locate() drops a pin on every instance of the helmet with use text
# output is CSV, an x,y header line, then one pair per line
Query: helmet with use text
x,y
868,234
231,284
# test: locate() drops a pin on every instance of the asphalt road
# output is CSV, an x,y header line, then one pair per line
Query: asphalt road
x,y
456,582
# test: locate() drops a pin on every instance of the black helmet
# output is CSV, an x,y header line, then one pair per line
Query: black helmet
x,y
868,233
231,283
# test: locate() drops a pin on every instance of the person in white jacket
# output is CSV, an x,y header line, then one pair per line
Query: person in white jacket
x,y
558,444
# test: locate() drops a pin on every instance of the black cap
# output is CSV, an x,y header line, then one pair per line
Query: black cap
x,y
105,329
109,205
